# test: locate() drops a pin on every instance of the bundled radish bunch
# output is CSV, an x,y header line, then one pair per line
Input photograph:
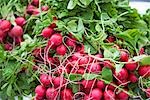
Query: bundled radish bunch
x,y
66,70
10,34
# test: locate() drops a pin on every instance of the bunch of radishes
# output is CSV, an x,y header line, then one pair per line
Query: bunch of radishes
x,y
11,34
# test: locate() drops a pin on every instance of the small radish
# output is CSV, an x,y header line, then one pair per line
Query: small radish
x,y
122,96
80,48
53,25
8,47
100,84
88,83
40,91
45,79
38,98
20,21
47,32
111,39
124,56
76,56
30,9
56,39
83,61
44,8
61,50
144,71
122,75
2,35
108,64
111,87
96,94
81,71
51,94
94,68
36,12
133,78
109,95
16,31
99,55
131,66
122,82
148,92
59,81
5,25
35,3
66,94
142,51
70,42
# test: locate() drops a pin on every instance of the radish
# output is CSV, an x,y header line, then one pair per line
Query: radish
x,y
44,8
142,51
100,84
53,25
30,9
5,25
70,42
124,56
51,94
81,71
35,3
148,92
20,21
122,96
80,48
122,82
66,94
111,39
40,91
56,39
122,75
2,35
96,94
58,81
38,98
109,95
83,61
45,79
133,78
99,55
108,64
144,71
88,83
61,50
47,32
76,56
16,31
131,66
94,68
8,47
111,87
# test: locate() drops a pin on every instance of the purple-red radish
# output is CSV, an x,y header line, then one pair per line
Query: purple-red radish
x,y
94,68
59,81
96,94
36,12
8,47
76,56
144,71
20,21
131,66
56,39
61,50
5,25
83,61
47,32
40,91
70,42
66,94
122,75
30,9
133,78
35,3
122,96
148,92
38,98
124,56
16,31
51,94
53,25
88,83
100,84
111,39
109,95
45,79
45,8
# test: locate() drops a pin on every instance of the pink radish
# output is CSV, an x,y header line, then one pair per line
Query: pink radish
x,y
111,87
94,68
8,47
108,64
5,25
56,39
148,92
61,50
122,96
131,66
96,94
45,79
16,31
44,8
35,3
40,90
124,56
111,39
20,21
81,71
122,75
70,42
47,32
144,71
83,61
30,9
58,81
100,84
51,94
66,94
88,83
109,95
133,78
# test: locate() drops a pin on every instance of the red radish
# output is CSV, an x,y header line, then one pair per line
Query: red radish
x,y
81,71
124,56
96,94
122,96
133,78
61,50
88,83
99,55
51,94
148,92
45,79
111,39
111,87
109,95
36,12
94,68
131,66
80,48
66,94
83,61
70,42
2,33
58,81
18,40
76,56
100,84
108,64
122,75
47,32
56,39
5,25
30,9
142,50
40,90
16,31
38,98
35,3
53,25
8,47
1,21
20,21
144,71
122,82
44,8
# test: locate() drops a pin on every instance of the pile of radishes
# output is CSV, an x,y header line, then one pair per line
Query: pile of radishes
x,y
63,56
11,35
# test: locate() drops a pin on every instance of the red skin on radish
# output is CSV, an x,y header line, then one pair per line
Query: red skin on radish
x,y
144,71
76,56
80,71
56,39
51,94
148,92
20,21
38,98
30,9
66,94
88,83
58,81
45,79
131,66
40,91
53,25
122,96
47,32
8,47
5,25
110,87
94,68
142,51
35,3
99,55
44,8
96,94
133,78
100,84
70,42
122,75
124,56
111,39
61,50
122,82
83,61
80,48
109,95
36,12
16,31
108,64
